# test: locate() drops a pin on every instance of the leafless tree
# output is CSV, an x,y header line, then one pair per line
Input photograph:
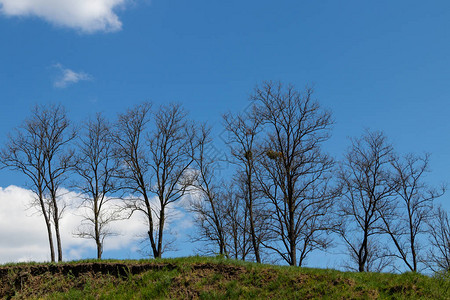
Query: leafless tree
x,y
237,221
295,172
367,190
209,202
220,213
438,259
39,149
242,134
406,220
58,159
132,155
24,152
171,149
96,168
378,259
154,161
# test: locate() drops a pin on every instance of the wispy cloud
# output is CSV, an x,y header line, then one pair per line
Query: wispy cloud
x,y
88,16
67,76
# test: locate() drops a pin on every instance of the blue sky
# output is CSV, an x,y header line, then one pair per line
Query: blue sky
x,y
381,64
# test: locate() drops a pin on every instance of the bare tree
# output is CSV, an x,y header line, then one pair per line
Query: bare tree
x,y
219,212
367,190
237,221
40,150
295,172
242,131
211,220
154,162
24,152
97,170
132,155
209,203
171,149
406,220
438,259
58,159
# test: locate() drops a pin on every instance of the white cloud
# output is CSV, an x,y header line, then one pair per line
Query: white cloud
x,y
68,76
23,235
88,16
22,238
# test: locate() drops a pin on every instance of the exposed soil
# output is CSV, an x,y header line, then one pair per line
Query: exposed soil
x,y
115,269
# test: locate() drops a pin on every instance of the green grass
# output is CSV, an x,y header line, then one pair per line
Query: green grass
x,y
211,278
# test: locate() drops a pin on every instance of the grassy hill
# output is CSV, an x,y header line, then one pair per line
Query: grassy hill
x,y
207,278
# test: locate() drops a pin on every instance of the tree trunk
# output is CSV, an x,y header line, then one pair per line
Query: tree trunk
x,y
252,222
56,222
150,218
413,254
97,240
58,240
362,255
50,238
48,224
152,239
292,242
161,231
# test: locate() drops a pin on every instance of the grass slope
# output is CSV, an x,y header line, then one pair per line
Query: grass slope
x,y
207,278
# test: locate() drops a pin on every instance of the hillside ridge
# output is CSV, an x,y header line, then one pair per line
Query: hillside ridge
x,y
207,278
